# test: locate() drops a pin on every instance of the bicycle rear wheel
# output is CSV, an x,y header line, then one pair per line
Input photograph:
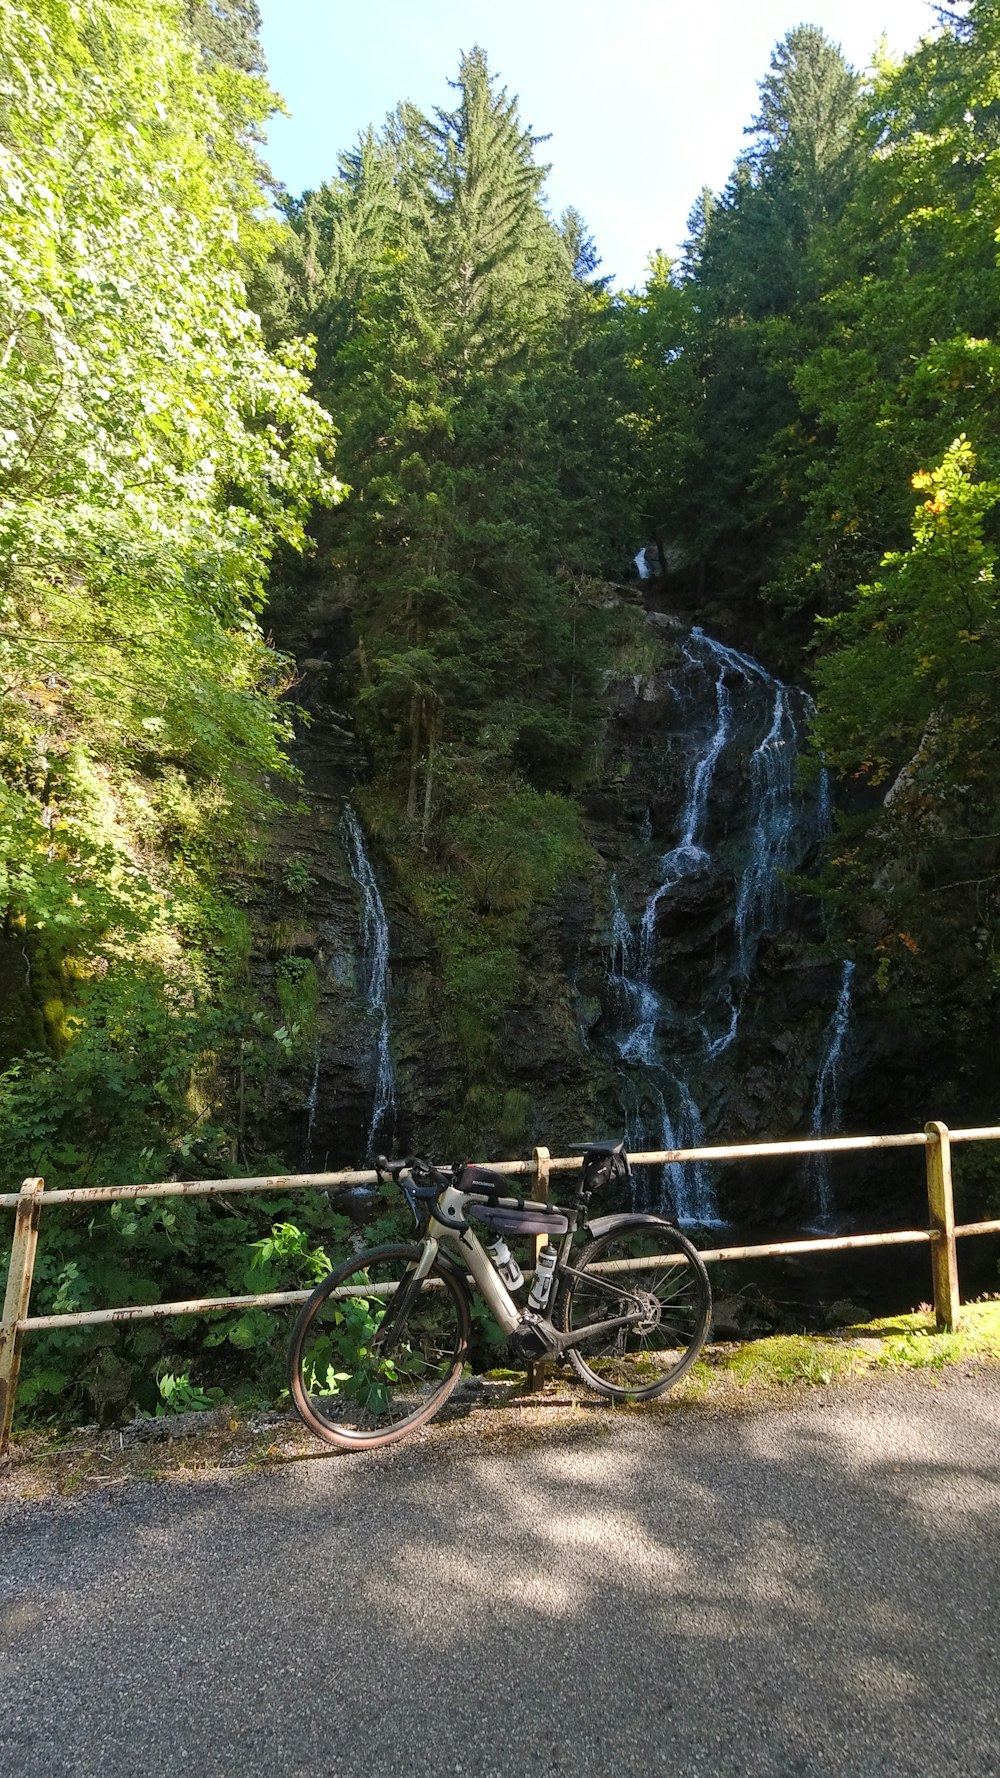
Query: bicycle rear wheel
x,y
367,1361
647,1267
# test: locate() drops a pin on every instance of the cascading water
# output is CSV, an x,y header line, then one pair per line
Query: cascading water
x,y
772,769
663,1047
826,1107
374,973
311,1103
641,1010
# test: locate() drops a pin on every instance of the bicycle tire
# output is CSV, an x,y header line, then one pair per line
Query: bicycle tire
x,y
638,1363
348,1390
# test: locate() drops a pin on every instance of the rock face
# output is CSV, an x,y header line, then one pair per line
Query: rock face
x,y
695,932
314,1110
682,993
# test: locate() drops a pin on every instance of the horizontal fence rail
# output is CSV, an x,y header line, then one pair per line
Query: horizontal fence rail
x,y
941,1235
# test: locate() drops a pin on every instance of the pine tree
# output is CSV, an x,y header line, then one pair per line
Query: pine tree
x,y
751,270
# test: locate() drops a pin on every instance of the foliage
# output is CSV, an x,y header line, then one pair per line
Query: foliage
x,y
499,855
478,377
906,696
916,654
180,1396
905,360
228,31
745,309
153,453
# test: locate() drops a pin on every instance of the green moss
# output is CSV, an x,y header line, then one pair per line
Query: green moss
x,y
503,850
893,1342
789,1358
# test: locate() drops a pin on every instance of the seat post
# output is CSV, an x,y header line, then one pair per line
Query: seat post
x,y
535,1379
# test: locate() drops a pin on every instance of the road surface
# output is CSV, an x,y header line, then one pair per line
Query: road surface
x,y
809,1587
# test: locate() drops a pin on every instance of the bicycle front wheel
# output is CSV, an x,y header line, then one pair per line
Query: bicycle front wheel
x,y
370,1358
650,1270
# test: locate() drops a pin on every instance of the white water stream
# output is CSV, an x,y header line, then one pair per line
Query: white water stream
x,y
374,979
662,1047
826,1107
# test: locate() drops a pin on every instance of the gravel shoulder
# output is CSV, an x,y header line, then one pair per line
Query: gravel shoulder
x,y
732,1376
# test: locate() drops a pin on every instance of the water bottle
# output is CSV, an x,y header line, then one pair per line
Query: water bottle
x,y
545,1266
505,1263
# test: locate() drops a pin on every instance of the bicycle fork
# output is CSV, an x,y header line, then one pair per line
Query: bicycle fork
x,y
397,1309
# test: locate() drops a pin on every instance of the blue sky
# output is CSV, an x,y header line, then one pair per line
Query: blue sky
x,y
645,100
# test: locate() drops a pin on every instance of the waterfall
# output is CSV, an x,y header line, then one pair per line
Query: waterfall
x,y
772,769
665,1046
374,973
826,1107
641,1010
689,1181
824,808
311,1103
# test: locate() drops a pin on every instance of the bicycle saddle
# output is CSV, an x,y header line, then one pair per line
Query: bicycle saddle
x,y
600,1148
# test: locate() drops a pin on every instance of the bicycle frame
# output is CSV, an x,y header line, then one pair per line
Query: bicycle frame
x,y
473,1257
448,1214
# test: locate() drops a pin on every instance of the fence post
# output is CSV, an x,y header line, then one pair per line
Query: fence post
x,y
536,1371
15,1303
941,1204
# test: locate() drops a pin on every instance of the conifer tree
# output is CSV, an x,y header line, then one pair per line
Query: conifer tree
x,y
750,266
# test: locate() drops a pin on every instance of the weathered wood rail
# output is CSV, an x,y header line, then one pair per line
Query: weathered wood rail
x,y
941,1234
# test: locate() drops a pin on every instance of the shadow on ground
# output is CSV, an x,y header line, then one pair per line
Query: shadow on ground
x,y
803,1589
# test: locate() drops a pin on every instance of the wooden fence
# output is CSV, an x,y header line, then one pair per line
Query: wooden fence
x,y
941,1234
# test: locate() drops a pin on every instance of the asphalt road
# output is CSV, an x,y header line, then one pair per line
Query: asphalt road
x,y
807,1588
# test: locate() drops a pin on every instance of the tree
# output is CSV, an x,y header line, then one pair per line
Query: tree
x,y
807,122
907,708
478,380
751,270
908,359
447,303
656,331
228,32
153,453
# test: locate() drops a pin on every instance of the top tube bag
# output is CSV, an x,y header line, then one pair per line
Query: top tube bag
x,y
519,1222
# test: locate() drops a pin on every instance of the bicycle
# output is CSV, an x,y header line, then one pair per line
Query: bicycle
x,y
383,1340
